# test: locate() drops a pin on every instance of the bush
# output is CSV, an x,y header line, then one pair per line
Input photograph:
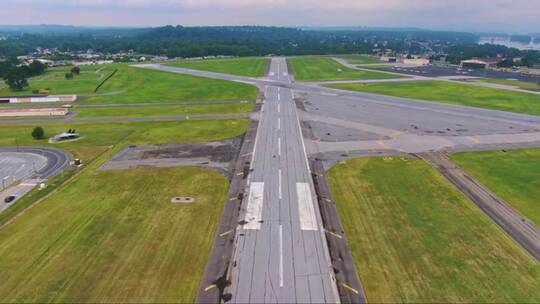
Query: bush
x,y
38,133
69,75
76,70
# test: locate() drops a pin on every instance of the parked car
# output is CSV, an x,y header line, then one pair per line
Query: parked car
x,y
9,199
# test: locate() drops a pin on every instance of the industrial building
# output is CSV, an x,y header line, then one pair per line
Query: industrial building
x,y
33,112
480,63
38,99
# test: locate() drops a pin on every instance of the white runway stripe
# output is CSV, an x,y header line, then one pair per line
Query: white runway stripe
x,y
306,210
254,207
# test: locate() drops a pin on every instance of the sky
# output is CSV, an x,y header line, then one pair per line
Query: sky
x,y
462,15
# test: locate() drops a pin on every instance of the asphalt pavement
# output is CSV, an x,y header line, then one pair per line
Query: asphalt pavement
x,y
23,168
281,242
281,252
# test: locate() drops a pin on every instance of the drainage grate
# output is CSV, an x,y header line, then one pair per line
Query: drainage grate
x,y
182,200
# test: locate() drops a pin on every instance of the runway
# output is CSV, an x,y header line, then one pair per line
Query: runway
x,y
281,254
281,248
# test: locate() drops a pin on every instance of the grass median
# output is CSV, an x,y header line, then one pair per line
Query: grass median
x,y
359,59
453,93
169,110
99,137
249,66
415,238
312,68
133,85
514,175
114,236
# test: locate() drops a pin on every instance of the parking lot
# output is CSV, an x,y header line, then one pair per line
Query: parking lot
x,y
440,71
17,170
15,166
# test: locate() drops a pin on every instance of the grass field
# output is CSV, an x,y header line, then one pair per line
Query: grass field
x,y
164,110
99,137
114,236
249,66
131,85
415,238
359,59
453,93
311,68
513,175
520,84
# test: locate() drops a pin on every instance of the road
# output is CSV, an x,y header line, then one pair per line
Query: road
x,y
28,166
281,254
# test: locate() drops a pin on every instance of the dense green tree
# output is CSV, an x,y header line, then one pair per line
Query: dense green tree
x,y
38,133
76,70
36,68
16,79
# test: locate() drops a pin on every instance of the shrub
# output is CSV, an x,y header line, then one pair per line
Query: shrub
x,y
38,133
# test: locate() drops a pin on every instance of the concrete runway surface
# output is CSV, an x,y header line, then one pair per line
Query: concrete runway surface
x,y
281,254
281,250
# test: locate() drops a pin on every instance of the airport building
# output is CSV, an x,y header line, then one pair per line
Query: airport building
x,y
33,112
480,63
38,99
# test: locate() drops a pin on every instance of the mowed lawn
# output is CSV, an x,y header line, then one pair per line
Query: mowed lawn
x,y
453,93
249,66
164,110
114,237
359,59
415,238
132,85
313,68
99,137
512,82
513,175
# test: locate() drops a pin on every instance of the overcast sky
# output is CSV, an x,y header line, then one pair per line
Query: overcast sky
x,y
470,15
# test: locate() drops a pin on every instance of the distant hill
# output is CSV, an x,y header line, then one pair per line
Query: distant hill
x,y
67,30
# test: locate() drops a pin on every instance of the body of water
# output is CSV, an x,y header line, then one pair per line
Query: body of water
x,y
508,43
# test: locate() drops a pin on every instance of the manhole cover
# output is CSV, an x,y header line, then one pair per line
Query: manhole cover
x,y
182,200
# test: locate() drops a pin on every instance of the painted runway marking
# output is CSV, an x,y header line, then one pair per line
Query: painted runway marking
x,y
279,146
278,108
302,138
306,210
280,256
279,184
279,123
254,207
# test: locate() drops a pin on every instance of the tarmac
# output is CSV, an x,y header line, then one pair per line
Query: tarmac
x,y
22,169
331,125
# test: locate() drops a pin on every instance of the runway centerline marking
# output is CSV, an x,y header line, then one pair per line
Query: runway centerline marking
x,y
279,184
279,146
306,210
280,256
254,207
279,123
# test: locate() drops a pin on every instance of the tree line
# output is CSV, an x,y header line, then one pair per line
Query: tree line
x,y
15,75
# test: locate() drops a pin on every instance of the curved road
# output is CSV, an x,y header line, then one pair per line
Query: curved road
x,y
57,159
